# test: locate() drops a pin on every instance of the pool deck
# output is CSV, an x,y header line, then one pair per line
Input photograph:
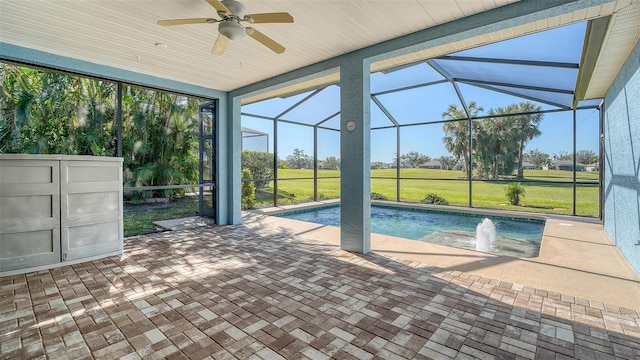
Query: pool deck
x,y
275,289
576,257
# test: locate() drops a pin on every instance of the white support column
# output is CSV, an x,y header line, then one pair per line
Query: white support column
x,y
355,155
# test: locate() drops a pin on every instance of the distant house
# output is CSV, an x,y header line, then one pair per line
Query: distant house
x,y
567,165
528,166
434,164
593,167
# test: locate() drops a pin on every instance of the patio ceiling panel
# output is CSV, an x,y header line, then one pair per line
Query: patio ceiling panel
x,y
562,44
331,123
490,97
408,75
425,104
380,116
274,106
545,99
589,103
317,108
511,74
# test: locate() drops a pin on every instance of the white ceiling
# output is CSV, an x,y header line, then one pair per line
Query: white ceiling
x,y
123,34
622,34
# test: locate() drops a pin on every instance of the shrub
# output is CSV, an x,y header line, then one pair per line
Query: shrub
x,y
248,190
378,196
514,192
260,165
435,199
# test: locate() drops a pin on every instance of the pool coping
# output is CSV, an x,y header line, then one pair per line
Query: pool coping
x,y
443,208
476,212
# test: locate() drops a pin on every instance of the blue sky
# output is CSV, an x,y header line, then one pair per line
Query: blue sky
x,y
426,104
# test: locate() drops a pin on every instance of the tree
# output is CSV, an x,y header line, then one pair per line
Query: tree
x,y
456,138
160,138
260,164
496,143
282,164
501,139
447,162
537,158
526,127
377,165
52,113
16,99
413,159
299,160
330,163
586,157
562,155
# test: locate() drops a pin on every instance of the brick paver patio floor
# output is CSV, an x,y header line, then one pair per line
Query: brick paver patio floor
x,y
231,292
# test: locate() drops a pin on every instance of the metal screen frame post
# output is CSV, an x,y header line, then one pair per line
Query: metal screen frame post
x,y
575,162
315,163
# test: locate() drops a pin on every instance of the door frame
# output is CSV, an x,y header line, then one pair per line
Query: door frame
x,y
207,134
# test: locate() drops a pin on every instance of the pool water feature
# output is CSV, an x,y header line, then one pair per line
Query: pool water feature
x,y
514,236
485,235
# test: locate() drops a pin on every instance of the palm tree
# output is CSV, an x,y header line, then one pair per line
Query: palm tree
x,y
16,100
526,127
497,141
456,138
502,139
160,139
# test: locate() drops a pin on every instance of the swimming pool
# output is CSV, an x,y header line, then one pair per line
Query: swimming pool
x,y
515,237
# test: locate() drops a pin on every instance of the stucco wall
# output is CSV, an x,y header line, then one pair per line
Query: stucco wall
x,y
622,162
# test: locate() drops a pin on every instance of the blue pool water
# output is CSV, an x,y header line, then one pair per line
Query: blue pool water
x,y
515,237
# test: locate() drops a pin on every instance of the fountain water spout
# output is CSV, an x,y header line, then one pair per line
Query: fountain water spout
x,y
485,235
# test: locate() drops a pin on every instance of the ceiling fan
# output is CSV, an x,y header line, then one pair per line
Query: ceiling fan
x,y
233,13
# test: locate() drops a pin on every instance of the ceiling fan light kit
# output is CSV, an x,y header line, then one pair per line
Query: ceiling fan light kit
x,y
231,29
232,13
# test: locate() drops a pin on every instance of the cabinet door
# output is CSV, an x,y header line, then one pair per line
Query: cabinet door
x,y
91,208
29,213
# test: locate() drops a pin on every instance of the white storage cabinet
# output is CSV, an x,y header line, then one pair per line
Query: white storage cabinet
x,y
58,209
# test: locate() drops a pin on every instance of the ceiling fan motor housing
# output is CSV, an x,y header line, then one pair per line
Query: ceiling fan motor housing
x,y
237,9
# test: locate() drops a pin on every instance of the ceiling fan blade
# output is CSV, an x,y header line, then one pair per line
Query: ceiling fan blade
x,y
220,45
265,40
219,6
279,17
186,21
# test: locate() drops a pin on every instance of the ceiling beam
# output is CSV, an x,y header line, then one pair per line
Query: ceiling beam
x,y
513,93
553,64
593,40
515,86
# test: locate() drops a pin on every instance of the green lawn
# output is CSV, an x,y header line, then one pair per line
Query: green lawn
x,y
543,193
139,219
